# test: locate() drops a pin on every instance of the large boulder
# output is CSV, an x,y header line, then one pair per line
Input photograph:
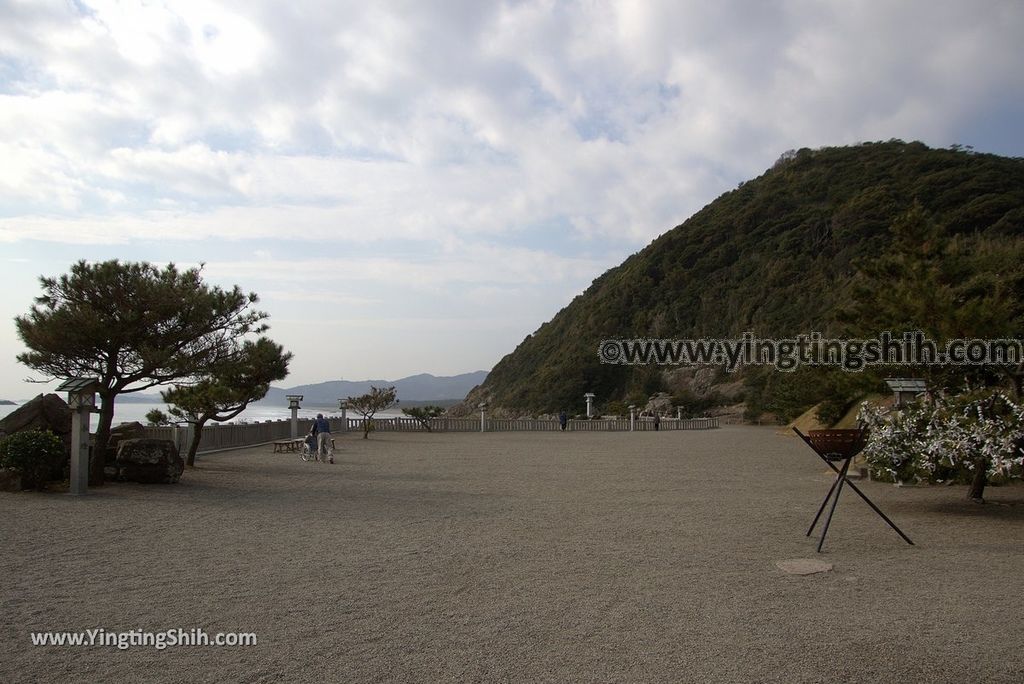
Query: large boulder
x,y
660,403
119,433
45,412
151,461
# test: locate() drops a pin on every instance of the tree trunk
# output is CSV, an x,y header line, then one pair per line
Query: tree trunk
x,y
977,490
99,451
193,447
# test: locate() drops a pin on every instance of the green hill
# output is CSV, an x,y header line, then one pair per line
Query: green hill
x,y
775,256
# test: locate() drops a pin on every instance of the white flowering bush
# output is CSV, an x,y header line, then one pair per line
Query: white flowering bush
x,y
947,439
897,443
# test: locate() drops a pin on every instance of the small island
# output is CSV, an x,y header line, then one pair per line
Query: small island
x,y
5,402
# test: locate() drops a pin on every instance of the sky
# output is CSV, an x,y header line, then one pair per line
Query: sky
x,y
416,186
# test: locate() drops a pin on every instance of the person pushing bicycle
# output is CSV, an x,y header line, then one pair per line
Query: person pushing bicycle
x,y
322,430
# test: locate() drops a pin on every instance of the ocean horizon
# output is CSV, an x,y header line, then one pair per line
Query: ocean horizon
x,y
127,412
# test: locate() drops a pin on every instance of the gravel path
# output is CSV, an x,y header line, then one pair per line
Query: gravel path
x,y
517,557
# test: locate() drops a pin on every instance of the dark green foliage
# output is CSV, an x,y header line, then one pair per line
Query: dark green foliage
x,y
841,391
778,256
132,326
228,387
784,395
366,405
788,395
32,454
949,286
615,408
424,414
157,417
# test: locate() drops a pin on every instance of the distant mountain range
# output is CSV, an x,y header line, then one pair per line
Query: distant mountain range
x,y
415,388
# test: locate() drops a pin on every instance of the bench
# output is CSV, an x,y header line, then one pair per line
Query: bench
x,y
293,445
290,445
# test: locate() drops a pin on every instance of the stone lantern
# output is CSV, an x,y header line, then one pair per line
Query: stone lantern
x,y
589,396
343,407
293,404
82,402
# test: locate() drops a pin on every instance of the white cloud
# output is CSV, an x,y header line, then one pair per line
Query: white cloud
x,y
469,265
494,141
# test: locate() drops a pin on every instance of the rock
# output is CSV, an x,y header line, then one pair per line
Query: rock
x,y
45,412
699,381
119,433
133,430
10,480
803,566
659,403
731,391
151,461
703,379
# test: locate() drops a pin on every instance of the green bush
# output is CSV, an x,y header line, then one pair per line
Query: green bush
x,y
157,417
832,410
32,454
616,408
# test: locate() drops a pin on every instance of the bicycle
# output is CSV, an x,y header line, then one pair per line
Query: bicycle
x,y
309,453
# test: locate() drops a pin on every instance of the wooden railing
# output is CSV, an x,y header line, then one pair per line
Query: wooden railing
x,y
218,436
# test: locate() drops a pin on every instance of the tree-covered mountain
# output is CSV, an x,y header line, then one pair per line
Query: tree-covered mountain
x,y
777,256
414,388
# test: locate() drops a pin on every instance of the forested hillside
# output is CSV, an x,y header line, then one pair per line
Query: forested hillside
x,y
777,256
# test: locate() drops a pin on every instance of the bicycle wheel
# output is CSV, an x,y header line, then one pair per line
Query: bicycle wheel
x,y
306,453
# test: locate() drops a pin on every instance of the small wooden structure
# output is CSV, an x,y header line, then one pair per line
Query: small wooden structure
x,y
906,389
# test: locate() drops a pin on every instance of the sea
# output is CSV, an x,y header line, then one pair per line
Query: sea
x,y
127,412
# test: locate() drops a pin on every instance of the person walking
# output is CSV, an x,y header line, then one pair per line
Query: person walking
x,y
322,429
562,420
657,421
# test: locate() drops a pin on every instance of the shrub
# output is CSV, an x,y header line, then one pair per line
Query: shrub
x,y
831,410
616,408
947,439
32,454
157,417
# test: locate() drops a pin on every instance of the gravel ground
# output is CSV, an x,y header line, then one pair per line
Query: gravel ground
x,y
517,557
